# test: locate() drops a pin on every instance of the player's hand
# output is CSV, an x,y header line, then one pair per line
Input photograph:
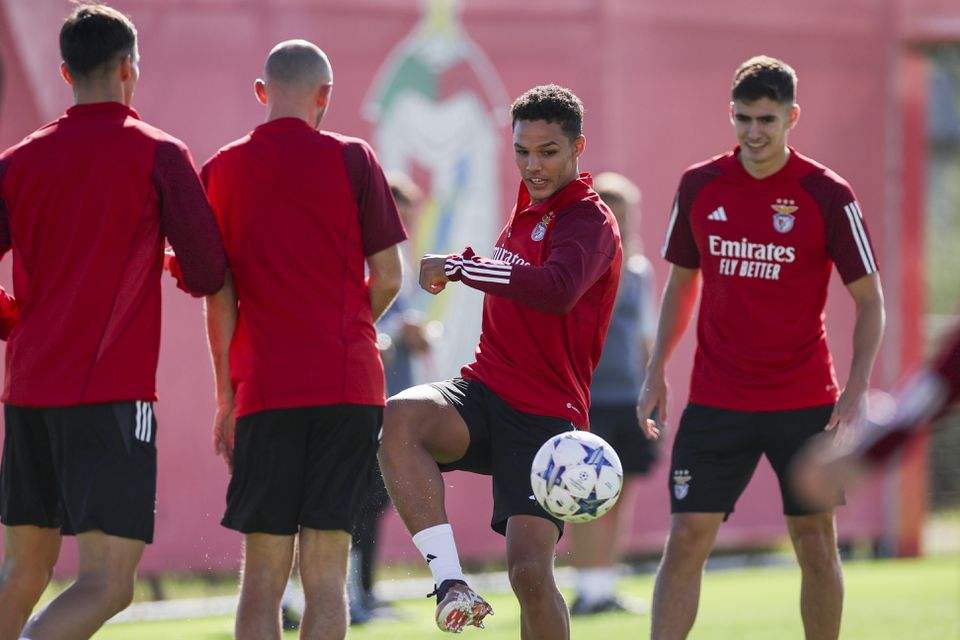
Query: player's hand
x,y
848,414
822,470
653,397
433,278
169,257
224,427
413,337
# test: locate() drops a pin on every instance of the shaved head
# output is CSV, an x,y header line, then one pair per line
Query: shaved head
x,y
297,65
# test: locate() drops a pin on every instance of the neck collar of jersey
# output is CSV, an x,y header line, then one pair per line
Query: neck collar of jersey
x,y
102,108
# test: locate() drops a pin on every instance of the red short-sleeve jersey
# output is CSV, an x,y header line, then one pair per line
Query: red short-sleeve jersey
x,y
85,203
551,286
765,250
300,210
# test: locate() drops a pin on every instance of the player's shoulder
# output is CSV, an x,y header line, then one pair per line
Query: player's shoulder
x,y
699,174
31,142
819,178
157,134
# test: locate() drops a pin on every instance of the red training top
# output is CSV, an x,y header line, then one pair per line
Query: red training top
x,y
551,286
85,203
765,248
300,209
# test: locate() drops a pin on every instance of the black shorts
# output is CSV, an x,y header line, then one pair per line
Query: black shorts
x,y
503,443
618,425
717,450
302,467
83,468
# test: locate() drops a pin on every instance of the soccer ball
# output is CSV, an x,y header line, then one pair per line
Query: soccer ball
x,y
576,476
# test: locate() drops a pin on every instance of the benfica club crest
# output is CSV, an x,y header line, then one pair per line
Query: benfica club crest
x,y
540,230
783,219
681,483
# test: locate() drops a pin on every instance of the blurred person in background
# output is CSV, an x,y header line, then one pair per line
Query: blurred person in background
x,y
824,468
596,547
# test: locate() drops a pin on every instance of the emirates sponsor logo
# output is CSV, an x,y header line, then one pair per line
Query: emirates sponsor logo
x,y
499,253
750,259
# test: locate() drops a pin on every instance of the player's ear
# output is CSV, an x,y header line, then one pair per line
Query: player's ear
x,y
732,113
126,67
794,115
260,90
323,95
578,144
65,74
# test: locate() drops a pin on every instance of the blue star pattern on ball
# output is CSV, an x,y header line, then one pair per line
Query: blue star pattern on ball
x,y
576,476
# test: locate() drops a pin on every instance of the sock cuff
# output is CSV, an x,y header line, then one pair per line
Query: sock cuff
x,y
432,532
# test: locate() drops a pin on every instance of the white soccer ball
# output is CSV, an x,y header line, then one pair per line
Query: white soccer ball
x,y
576,476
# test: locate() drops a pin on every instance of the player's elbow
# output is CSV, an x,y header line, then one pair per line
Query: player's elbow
x,y
387,283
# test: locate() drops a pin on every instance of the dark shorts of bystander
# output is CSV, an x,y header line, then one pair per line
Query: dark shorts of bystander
x,y
302,467
82,468
716,452
618,425
503,443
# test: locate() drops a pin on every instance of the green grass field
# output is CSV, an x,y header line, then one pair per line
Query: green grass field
x,y
895,599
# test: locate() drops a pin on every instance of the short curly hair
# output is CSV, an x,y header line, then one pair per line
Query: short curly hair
x,y
552,103
765,77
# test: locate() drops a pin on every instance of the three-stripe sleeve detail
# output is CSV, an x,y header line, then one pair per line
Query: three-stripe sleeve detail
x,y
855,217
495,273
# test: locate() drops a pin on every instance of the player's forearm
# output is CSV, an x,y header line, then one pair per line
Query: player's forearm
x,y
221,316
382,294
386,278
867,336
554,287
676,310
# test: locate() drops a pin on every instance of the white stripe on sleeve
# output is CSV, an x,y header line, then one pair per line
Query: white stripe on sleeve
x,y
860,237
673,221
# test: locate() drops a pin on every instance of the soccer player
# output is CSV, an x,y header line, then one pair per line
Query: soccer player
x,y
85,203
595,546
550,285
760,226
823,470
299,377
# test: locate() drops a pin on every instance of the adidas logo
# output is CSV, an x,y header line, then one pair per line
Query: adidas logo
x,y
718,214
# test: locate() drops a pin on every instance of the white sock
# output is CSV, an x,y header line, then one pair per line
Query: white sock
x,y
597,583
437,547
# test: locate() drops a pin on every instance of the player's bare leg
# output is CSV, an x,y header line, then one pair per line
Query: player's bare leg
x,y
420,428
104,587
323,573
29,555
267,561
676,593
814,539
531,547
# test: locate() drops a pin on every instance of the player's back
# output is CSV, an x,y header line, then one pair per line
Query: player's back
x,y
85,230
290,219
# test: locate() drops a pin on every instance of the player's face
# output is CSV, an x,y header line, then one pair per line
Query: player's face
x,y
546,157
762,127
